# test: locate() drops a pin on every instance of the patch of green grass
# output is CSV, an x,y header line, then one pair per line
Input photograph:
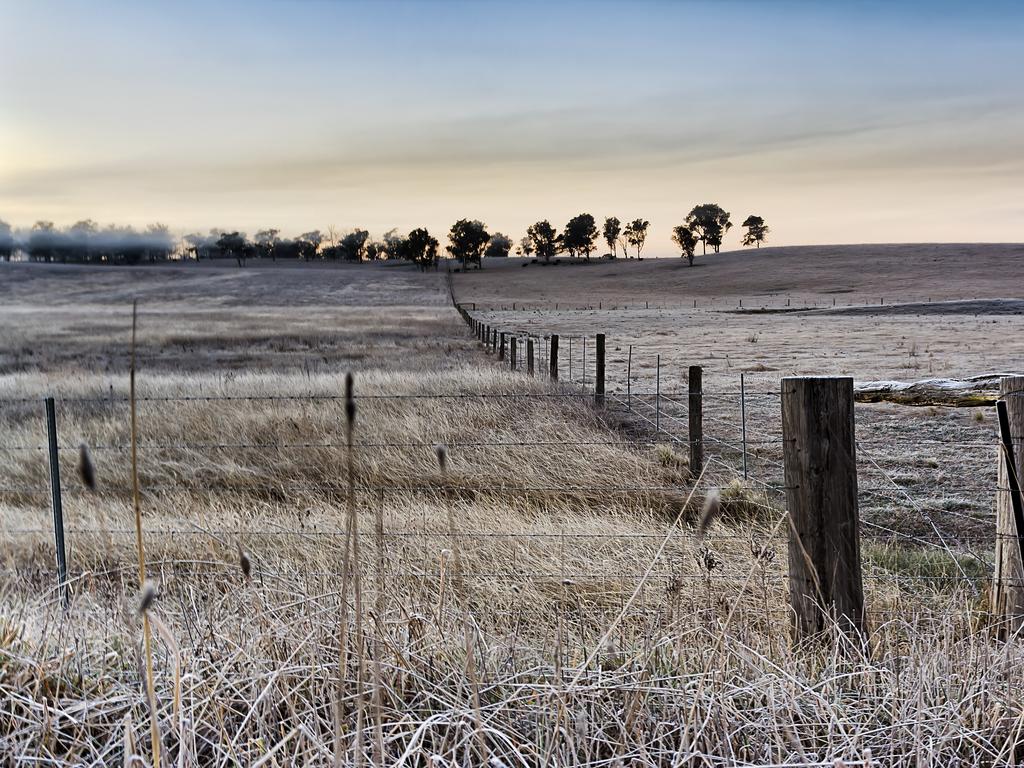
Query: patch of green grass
x,y
937,566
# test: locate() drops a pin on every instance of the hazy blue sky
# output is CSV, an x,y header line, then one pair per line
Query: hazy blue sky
x,y
838,122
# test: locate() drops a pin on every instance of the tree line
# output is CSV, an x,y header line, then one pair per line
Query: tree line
x,y
85,242
468,241
706,224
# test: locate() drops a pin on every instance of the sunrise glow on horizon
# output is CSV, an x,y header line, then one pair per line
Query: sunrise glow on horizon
x,y
860,122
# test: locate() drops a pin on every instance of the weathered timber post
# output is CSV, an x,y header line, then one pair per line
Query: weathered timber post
x,y
1008,581
599,372
55,500
529,356
512,352
553,362
821,490
696,409
501,347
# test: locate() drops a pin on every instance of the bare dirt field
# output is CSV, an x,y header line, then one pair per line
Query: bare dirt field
x,y
540,597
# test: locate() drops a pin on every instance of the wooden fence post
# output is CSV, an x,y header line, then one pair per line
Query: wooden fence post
x,y
55,500
512,352
599,372
818,443
696,409
553,361
1008,581
501,347
529,355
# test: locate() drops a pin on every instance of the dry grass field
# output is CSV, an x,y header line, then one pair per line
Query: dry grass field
x,y
541,599
925,470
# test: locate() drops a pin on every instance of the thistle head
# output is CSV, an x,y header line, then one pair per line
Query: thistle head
x,y
86,469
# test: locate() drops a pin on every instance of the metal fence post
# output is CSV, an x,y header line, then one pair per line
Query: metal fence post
x,y
529,355
657,394
629,379
55,499
584,364
553,361
599,371
743,421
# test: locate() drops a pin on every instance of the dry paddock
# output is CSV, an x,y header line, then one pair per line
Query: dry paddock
x,y
542,598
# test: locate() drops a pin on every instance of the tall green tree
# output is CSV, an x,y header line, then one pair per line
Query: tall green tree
x,y
467,240
709,223
421,248
309,244
353,245
235,245
612,230
525,247
683,236
394,244
757,231
266,241
544,239
6,241
498,246
636,234
579,235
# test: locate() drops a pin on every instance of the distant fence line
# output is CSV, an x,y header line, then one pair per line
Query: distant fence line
x,y
819,466
775,302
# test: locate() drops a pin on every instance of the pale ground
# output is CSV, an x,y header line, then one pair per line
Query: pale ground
x,y
919,466
850,274
517,606
271,471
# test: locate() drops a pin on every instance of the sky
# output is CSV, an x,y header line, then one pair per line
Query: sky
x,y
837,122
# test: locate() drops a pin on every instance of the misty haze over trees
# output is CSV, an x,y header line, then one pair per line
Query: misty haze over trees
x,y
469,242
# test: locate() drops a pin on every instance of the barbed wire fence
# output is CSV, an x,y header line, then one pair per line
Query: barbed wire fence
x,y
741,451
738,435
